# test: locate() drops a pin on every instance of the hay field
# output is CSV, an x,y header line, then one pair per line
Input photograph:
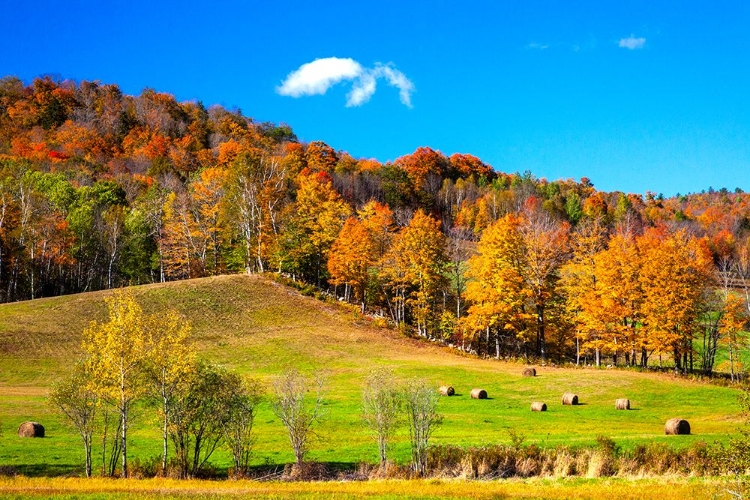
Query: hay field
x,y
258,327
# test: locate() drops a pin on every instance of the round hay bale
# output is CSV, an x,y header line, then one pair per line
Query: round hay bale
x,y
31,430
446,390
538,406
622,404
478,394
675,426
529,372
569,399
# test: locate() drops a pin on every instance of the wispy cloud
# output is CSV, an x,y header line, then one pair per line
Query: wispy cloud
x,y
632,43
316,77
537,46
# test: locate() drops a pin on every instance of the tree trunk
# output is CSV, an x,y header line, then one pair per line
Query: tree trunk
x,y
123,426
541,342
164,436
104,442
124,440
87,449
487,341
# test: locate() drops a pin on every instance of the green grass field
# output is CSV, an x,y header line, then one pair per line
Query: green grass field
x,y
258,327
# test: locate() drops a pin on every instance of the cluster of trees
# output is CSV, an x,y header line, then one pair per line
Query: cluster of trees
x,y
388,403
135,358
99,189
138,359
624,294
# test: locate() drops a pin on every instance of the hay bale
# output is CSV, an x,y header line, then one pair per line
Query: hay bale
x,y
529,372
478,394
622,404
31,430
446,390
538,406
569,399
675,426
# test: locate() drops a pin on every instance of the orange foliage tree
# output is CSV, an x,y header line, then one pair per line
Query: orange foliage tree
x,y
675,276
413,270
350,259
422,164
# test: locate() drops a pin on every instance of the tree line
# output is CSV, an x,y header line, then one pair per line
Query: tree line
x,y
99,189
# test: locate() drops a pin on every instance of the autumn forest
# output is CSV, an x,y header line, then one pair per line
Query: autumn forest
x,y
100,190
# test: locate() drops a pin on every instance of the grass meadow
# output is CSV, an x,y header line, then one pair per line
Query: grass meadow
x,y
258,327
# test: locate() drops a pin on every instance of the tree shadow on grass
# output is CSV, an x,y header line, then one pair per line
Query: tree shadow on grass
x,y
42,470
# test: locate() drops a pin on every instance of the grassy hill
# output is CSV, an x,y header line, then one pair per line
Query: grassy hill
x,y
256,326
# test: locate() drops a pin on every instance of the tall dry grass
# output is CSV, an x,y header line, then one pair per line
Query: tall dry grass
x,y
612,489
604,460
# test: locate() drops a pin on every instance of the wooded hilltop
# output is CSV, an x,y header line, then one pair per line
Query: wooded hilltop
x,y
99,190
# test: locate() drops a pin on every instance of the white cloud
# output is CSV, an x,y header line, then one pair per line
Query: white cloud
x,y
632,43
537,46
396,79
364,86
315,78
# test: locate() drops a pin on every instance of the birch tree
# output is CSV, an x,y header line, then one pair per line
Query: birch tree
x,y
169,367
117,351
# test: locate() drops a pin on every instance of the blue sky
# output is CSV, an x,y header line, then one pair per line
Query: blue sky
x,y
637,96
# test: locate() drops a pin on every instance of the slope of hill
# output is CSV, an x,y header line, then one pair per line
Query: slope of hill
x,y
256,326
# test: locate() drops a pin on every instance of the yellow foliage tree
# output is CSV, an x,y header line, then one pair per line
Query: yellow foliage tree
x,y
545,243
579,280
171,362
621,297
117,352
132,352
311,226
496,288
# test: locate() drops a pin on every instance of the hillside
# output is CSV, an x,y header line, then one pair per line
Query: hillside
x,y
258,327
99,189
